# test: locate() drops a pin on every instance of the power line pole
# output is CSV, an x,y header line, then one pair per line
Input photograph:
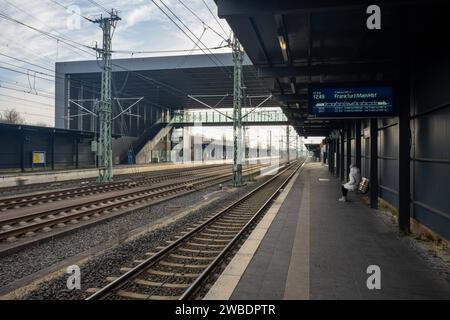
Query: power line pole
x,y
107,24
238,58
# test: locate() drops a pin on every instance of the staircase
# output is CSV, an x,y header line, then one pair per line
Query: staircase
x,y
144,154
148,139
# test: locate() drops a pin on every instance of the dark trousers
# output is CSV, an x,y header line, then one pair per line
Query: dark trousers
x,y
344,191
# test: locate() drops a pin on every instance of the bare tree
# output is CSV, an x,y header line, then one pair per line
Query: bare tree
x,y
11,116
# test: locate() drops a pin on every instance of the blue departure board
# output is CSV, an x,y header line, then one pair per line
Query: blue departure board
x,y
351,102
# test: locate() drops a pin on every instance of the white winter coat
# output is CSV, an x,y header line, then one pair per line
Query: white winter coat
x,y
354,178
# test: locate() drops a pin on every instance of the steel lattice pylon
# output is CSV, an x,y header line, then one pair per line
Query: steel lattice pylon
x,y
105,140
238,58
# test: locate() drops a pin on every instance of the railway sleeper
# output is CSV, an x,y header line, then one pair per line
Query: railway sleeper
x,y
205,251
196,244
206,234
178,256
182,265
211,239
140,296
173,274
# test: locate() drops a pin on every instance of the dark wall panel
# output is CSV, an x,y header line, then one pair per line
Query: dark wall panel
x,y
388,160
431,146
432,135
86,157
431,185
431,85
35,142
64,151
388,180
10,150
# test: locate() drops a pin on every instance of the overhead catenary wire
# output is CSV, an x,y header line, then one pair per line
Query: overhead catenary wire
x,y
95,3
26,100
64,40
75,44
54,76
181,63
40,21
61,76
165,51
71,10
26,92
227,72
30,63
215,18
29,53
24,86
93,54
203,22
198,39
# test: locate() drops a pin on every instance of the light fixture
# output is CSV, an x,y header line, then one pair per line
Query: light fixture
x,y
283,47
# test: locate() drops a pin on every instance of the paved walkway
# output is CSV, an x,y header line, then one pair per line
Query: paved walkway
x,y
319,248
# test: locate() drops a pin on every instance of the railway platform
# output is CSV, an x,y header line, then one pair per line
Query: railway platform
x,y
310,246
54,176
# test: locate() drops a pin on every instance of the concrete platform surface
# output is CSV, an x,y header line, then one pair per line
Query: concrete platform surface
x,y
319,248
11,179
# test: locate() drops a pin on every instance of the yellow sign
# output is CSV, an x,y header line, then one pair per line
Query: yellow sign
x,y
38,157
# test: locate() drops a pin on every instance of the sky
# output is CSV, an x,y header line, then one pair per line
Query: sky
x,y
30,88
27,57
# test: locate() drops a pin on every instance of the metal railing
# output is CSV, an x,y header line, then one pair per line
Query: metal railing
x,y
227,116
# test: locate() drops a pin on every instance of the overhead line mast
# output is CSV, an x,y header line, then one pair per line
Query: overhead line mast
x,y
107,24
238,58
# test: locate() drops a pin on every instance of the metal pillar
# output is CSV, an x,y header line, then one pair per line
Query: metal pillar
x,y
334,157
329,150
296,146
358,143
342,156
374,163
238,58
338,157
404,160
105,143
348,153
332,150
287,144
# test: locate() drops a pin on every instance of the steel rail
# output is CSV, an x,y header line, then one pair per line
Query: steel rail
x,y
136,198
33,198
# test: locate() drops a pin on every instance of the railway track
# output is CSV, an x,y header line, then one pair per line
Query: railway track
x,y
178,270
63,215
24,200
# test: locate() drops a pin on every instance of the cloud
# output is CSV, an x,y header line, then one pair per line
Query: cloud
x,y
140,14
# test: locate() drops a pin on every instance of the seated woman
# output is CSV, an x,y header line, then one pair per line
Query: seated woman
x,y
354,178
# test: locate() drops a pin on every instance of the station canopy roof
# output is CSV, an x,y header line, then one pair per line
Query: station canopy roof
x,y
167,81
297,43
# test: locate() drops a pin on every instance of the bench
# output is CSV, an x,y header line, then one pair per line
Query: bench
x,y
363,186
